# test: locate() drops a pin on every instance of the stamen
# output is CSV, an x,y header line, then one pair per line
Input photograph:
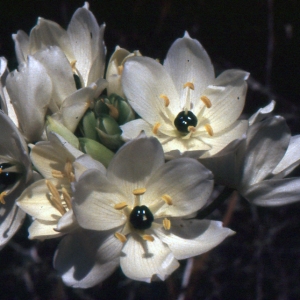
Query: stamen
x,y
2,195
167,224
73,63
206,101
120,205
167,198
155,128
57,174
166,99
209,129
67,197
189,85
113,111
120,69
192,129
69,171
55,198
140,191
148,237
121,237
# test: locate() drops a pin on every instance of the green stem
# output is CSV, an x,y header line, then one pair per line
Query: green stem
x,y
215,204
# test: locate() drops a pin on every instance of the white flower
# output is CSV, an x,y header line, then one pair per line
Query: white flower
x,y
15,173
182,103
260,162
137,216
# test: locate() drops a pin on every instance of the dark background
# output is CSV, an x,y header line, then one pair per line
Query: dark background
x,y
262,261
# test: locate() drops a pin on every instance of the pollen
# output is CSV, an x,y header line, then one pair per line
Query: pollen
x,y
167,224
120,205
155,128
189,85
147,237
140,191
209,129
2,195
167,198
121,237
206,101
166,99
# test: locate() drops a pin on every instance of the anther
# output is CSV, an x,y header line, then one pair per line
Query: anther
x,y
147,237
120,70
120,205
189,85
2,195
66,197
57,174
191,129
55,198
209,129
166,99
140,191
206,101
73,63
121,237
69,171
167,199
113,111
167,224
155,128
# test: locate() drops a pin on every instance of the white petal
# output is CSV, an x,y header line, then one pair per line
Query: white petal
x,y
133,128
142,260
274,192
60,71
36,202
135,163
144,80
186,181
187,61
30,92
262,113
220,140
22,49
94,200
228,101
41,230
188,238
267,142
86,258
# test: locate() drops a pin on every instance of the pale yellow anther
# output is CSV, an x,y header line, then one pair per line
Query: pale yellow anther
x,y
120,69
155,128
55,198
189,85
148,237
1,170
120,205
69,171
113,111
191,129
167,224
167,198
140,191
2,195
67,198
121,237
166,99
57,174
209,129
206,101
73,63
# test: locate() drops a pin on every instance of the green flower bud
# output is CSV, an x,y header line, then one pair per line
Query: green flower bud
x,y
108,125
96,150
88,125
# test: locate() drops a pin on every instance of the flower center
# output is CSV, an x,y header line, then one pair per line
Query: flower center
x,y
6,179
141,217
185,119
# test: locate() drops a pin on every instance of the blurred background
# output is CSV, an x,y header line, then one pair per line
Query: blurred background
x,y
262,261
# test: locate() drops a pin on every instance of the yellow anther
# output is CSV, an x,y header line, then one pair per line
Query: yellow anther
x,y
2,195
166,99
113,111
69,171
140,191
148,237
209,129
120,205
206,101
66,197
189,85
191,129
1,170
155,128
121,237
120,69
167,198
57,174
73,63
55,198
167,224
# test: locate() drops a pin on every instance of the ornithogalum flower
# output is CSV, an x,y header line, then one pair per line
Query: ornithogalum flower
x,y
136,215
182,103
261,160
15,174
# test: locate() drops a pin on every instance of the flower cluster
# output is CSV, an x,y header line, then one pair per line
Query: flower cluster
x,y
122,165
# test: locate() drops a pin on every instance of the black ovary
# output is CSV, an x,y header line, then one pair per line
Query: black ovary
x,y
7,178
141,217
185,119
